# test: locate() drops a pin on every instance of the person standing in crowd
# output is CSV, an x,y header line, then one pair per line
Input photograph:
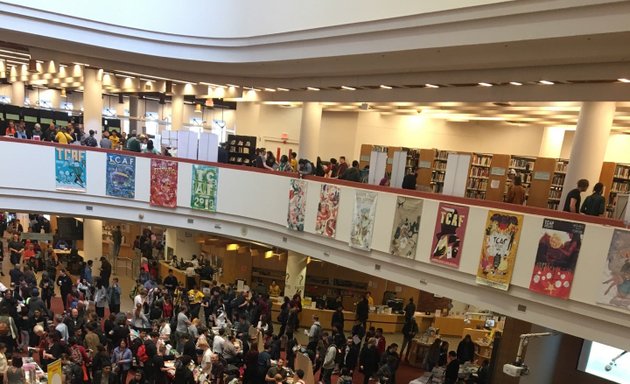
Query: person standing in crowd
x,y
90,140
409,331
573,201
353,173
114,138
223,154
106,271
63,136
122,358
409,181
16,249
452,369
342,167
595,204
368,362
150,148
293,161
105,143
410,309
284,165
466,350
133,143
116,241
516,192
329,361
305,167
65,287
37,131
10,131
170,282
363,311
20,133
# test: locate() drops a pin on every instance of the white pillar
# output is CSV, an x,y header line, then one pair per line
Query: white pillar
x,y
177,108
170,241
133,114
309,131
551,143
92,102
55,98
540,351
93,240
296,273
589,144
17,93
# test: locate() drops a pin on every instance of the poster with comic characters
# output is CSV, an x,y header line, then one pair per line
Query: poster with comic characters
x,y
558,250
450,229
121,176
326,222
203,194
70,170
163,183
499,247
406,227
615,287
297,204
363,220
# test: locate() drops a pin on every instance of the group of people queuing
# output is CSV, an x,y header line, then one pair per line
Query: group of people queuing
x,y
336,169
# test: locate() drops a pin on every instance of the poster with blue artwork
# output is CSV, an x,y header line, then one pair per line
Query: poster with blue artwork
x,y
121,176
70,173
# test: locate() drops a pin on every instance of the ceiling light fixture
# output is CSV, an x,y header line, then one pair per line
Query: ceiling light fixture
x,y
385,86
431,86
624,80
197,108
270,90
485,84
283,89
348,88
232,85
312,89
515,83
546,82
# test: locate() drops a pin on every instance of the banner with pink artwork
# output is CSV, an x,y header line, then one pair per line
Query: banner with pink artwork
x,y
326,223
615,288
297,204
163,183
556,258
450,229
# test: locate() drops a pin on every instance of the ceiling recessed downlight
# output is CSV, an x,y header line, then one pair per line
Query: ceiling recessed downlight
x,y
385,87
515,83
485,84
624,80
431,86
546,82
348,88
283,89
312,89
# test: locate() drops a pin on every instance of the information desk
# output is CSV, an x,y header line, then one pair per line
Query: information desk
x,y
454,326
423,320
476,334
180,274
391,323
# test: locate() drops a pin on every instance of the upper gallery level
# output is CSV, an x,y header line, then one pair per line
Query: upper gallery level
x,y
559,270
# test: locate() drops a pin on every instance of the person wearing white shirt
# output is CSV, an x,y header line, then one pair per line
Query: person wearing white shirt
x,y
61,327
217,343
206,359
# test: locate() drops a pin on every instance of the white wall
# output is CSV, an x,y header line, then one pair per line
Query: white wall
x,y
260,215
338,134
267,121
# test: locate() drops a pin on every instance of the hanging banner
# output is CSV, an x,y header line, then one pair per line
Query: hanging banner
x,y
406,227
558,251
120,176
498,252
205,180
615,288
53,371
70,172
363,220
326,222
297,204
450,229
163,183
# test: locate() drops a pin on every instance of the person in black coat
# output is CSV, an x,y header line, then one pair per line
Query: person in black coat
x,y
65,286
350,354
363,311
183,374
106,271
452,368
369,360
338,319
466,350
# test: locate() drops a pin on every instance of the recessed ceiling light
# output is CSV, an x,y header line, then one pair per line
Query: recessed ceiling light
x,y
283,89
348,88
312,89
485,84
385,86
515,83
624,80
270,90
431,86
546,82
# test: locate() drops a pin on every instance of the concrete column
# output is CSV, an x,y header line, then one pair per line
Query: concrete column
x,y
296,273
177,107
589,144
551,143
540,351
170,241
133,114
92,102
17,93
309,131
93,241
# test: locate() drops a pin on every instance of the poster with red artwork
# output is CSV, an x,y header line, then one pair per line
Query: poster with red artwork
x,y
558,251
163,183
450,228
326,222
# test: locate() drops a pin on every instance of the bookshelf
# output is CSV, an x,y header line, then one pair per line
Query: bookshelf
x,y
497,177
241,149
365,154
478,176
439,170
425,169
616,180
524,167
540,184
557,182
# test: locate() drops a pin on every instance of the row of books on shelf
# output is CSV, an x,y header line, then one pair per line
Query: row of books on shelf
x,y
553,205
479,172
476,194
239,160
481,160
439,165
437,187
438,176
244,150
441,155
479,184
558,180
562,166
523,164
622,172
620,187
555,193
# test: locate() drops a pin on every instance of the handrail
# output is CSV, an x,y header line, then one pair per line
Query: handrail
x,y
377,188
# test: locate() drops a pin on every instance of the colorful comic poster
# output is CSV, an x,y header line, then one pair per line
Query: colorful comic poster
x,y
363,220
450,229
297,205
406,227
121,176
558,251
163,183
615,288
326,223
498,252
205,180
70,172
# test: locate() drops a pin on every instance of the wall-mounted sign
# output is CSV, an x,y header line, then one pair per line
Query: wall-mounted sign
x,y
365,158
424,164
497,171
542,175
